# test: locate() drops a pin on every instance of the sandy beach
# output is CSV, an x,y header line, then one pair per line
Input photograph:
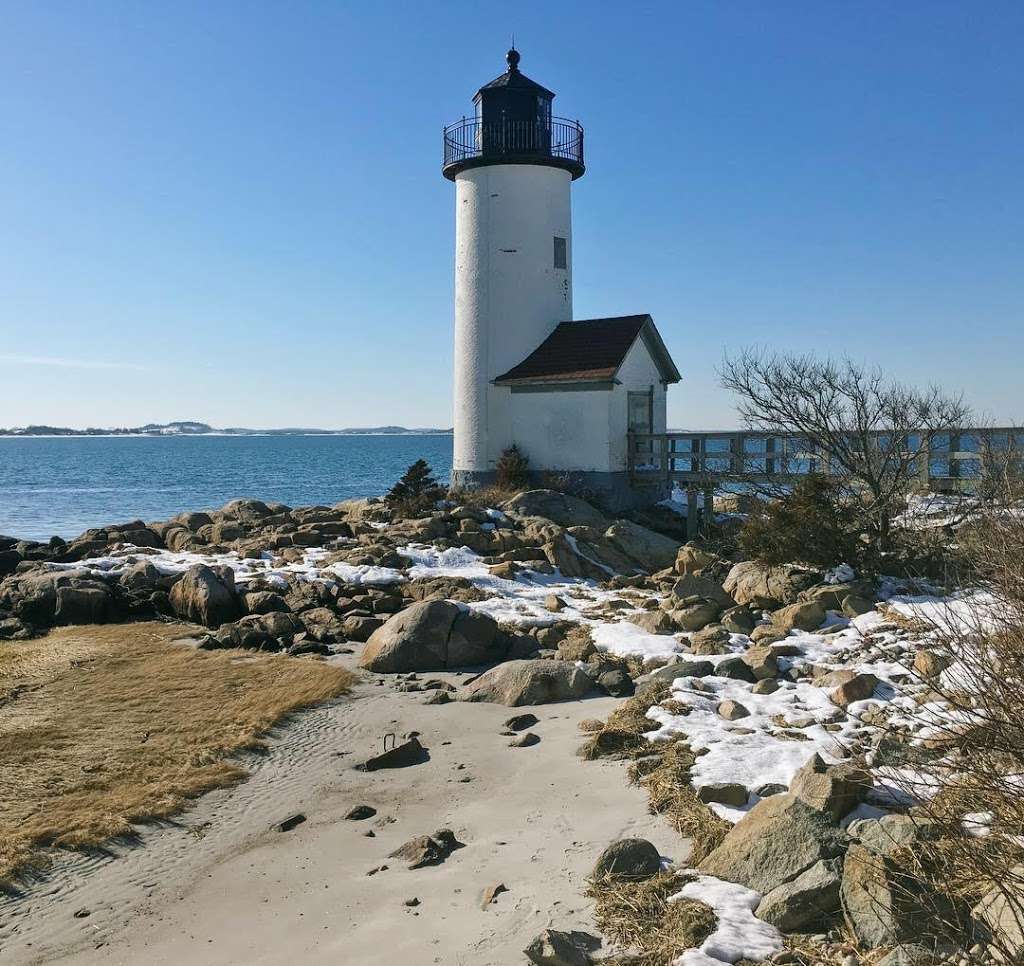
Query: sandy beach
x,y
220,885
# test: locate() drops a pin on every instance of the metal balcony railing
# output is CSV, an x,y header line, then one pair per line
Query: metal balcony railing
x,y
556,140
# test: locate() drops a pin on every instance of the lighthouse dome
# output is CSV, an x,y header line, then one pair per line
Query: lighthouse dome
x,y
513,124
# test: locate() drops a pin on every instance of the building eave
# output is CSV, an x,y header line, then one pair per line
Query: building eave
x,y
576,385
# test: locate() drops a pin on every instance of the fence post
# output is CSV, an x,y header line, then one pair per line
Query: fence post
x,y
691,512
738,446
709,508
924,469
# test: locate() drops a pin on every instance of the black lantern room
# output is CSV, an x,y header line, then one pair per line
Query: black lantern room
x,y
513,125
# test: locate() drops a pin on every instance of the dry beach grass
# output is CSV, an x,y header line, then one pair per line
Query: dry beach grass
x,y
103,726
661,768
639,915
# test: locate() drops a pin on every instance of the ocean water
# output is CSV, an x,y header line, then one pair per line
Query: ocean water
x,y
65,485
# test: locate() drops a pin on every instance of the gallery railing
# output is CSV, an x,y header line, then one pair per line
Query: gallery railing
x,y
557,138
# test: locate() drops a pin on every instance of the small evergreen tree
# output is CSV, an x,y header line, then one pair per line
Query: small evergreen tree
x,y
513,469
416,492
813,524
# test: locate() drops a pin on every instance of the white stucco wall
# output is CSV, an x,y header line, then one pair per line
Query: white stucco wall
x,y
563,430
508,294
585,430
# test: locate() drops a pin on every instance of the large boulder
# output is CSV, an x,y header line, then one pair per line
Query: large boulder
x,y
672,672
805,615
654,622
443,588
831,596
699,585
562,554
693,559
696,615
321,623
804,901
57,596
762,661
140,576
648,549
181,538
631,859
833,789
247,511
858,687
767,587
206,596
191,520
83,604
871,899
778,839
555,948
9,560
565,510
432,635
1000,915
264,602
516,683
136,534
885,835
883,900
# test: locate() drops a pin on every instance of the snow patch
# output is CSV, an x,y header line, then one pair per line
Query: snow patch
x,y
738,934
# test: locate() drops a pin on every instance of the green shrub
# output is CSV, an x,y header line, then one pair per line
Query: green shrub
x,y
416,492
814,524
513,469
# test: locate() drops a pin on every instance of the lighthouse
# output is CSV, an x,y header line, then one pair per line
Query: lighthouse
x,y
525,372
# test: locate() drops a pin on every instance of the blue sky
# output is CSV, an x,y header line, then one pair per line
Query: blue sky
x,y
234,211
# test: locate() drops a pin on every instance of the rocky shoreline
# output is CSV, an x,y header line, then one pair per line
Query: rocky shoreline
x,y
786,699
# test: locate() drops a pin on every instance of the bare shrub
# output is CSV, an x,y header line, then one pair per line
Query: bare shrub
x,y
871,434
971,791
481,497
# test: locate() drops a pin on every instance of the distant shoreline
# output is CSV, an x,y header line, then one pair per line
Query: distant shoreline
x,y
182,428
268,435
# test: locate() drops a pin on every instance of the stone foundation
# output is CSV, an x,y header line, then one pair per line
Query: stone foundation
x,y
614,491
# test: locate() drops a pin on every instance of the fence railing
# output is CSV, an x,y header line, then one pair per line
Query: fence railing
x,y
943,461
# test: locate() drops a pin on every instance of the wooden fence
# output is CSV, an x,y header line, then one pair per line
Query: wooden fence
x,y
705,461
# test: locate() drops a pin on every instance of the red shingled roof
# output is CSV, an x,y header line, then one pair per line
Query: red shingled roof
x,y
590,350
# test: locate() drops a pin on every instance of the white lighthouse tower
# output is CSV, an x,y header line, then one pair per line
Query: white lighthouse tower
x,y
565,393
512,164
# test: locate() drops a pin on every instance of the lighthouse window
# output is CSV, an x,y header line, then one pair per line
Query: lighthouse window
x,y
561,257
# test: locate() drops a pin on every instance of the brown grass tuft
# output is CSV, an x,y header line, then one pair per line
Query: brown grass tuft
x,y
484,497
623,732
104,726
668,786
661,768
639,915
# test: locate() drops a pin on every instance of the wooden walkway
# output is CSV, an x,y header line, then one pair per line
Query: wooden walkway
x,y
701,462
